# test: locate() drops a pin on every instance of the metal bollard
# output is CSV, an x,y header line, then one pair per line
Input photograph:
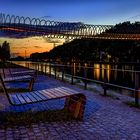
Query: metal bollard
x,y
105,81
85,76
49,69
62,73
55,71
136,88
72,72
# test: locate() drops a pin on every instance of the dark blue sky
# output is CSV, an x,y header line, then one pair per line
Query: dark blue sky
x,y
87,11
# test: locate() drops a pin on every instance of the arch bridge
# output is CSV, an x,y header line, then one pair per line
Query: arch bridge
x,y
20,27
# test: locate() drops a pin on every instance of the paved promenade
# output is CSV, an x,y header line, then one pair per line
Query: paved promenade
x,y
105,118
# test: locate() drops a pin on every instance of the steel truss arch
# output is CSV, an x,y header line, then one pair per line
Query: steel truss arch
x,y
26,26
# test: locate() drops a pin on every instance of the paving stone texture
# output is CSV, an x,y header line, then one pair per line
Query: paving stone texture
x,y
105,118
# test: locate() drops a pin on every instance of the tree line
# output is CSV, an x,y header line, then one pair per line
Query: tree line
x,y
126,27
97,49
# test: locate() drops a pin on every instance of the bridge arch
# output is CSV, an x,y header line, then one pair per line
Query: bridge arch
x,y
7,19
27,20
21,20
17,19
12,20
33,21
36,26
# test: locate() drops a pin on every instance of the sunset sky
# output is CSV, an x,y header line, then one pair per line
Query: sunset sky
x,y
29,45
86,11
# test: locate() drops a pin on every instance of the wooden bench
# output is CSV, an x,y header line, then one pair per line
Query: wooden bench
x,y
74,103
20,76
23,72
16,78
18,72
17,75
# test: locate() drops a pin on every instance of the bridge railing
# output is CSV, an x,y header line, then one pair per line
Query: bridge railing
x,y
67,73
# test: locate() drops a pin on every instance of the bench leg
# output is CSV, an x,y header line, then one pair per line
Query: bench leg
x,y
76,105
31,84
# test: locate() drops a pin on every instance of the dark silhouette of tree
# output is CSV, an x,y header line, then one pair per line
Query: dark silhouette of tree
x,y
94,50
5,51
126,27
99,49
39,56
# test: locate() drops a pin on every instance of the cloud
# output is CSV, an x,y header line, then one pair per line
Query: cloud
x,y
37,38
15,53
52,40
37,47
19,47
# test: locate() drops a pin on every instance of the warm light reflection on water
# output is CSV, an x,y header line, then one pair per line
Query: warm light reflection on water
x,y
99,71
96,71
108,72
102,69
74,68
114,73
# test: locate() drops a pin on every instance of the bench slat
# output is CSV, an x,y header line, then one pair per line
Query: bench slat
x,y
17,100
29,95
48,94
54,94
40,95
45,93
16,78
36,96
26,98
14,99
64,92
11,99
22,72
21,99
59,93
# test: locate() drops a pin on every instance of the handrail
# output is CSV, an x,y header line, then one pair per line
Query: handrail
x,y
39,66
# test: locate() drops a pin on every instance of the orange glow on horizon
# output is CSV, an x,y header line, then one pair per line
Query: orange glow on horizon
x,y
26,46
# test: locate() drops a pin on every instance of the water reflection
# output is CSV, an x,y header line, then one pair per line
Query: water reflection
x,y
115,74
96,71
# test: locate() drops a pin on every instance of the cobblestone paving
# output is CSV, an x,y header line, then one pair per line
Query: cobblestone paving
x,y
105,119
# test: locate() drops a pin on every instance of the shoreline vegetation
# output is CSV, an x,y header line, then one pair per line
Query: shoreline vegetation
x,y
105,50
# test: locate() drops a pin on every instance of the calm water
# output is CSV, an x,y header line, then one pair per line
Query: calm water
x,y
123,75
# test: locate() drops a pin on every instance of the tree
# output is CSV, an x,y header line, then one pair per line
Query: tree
x,y
5,51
